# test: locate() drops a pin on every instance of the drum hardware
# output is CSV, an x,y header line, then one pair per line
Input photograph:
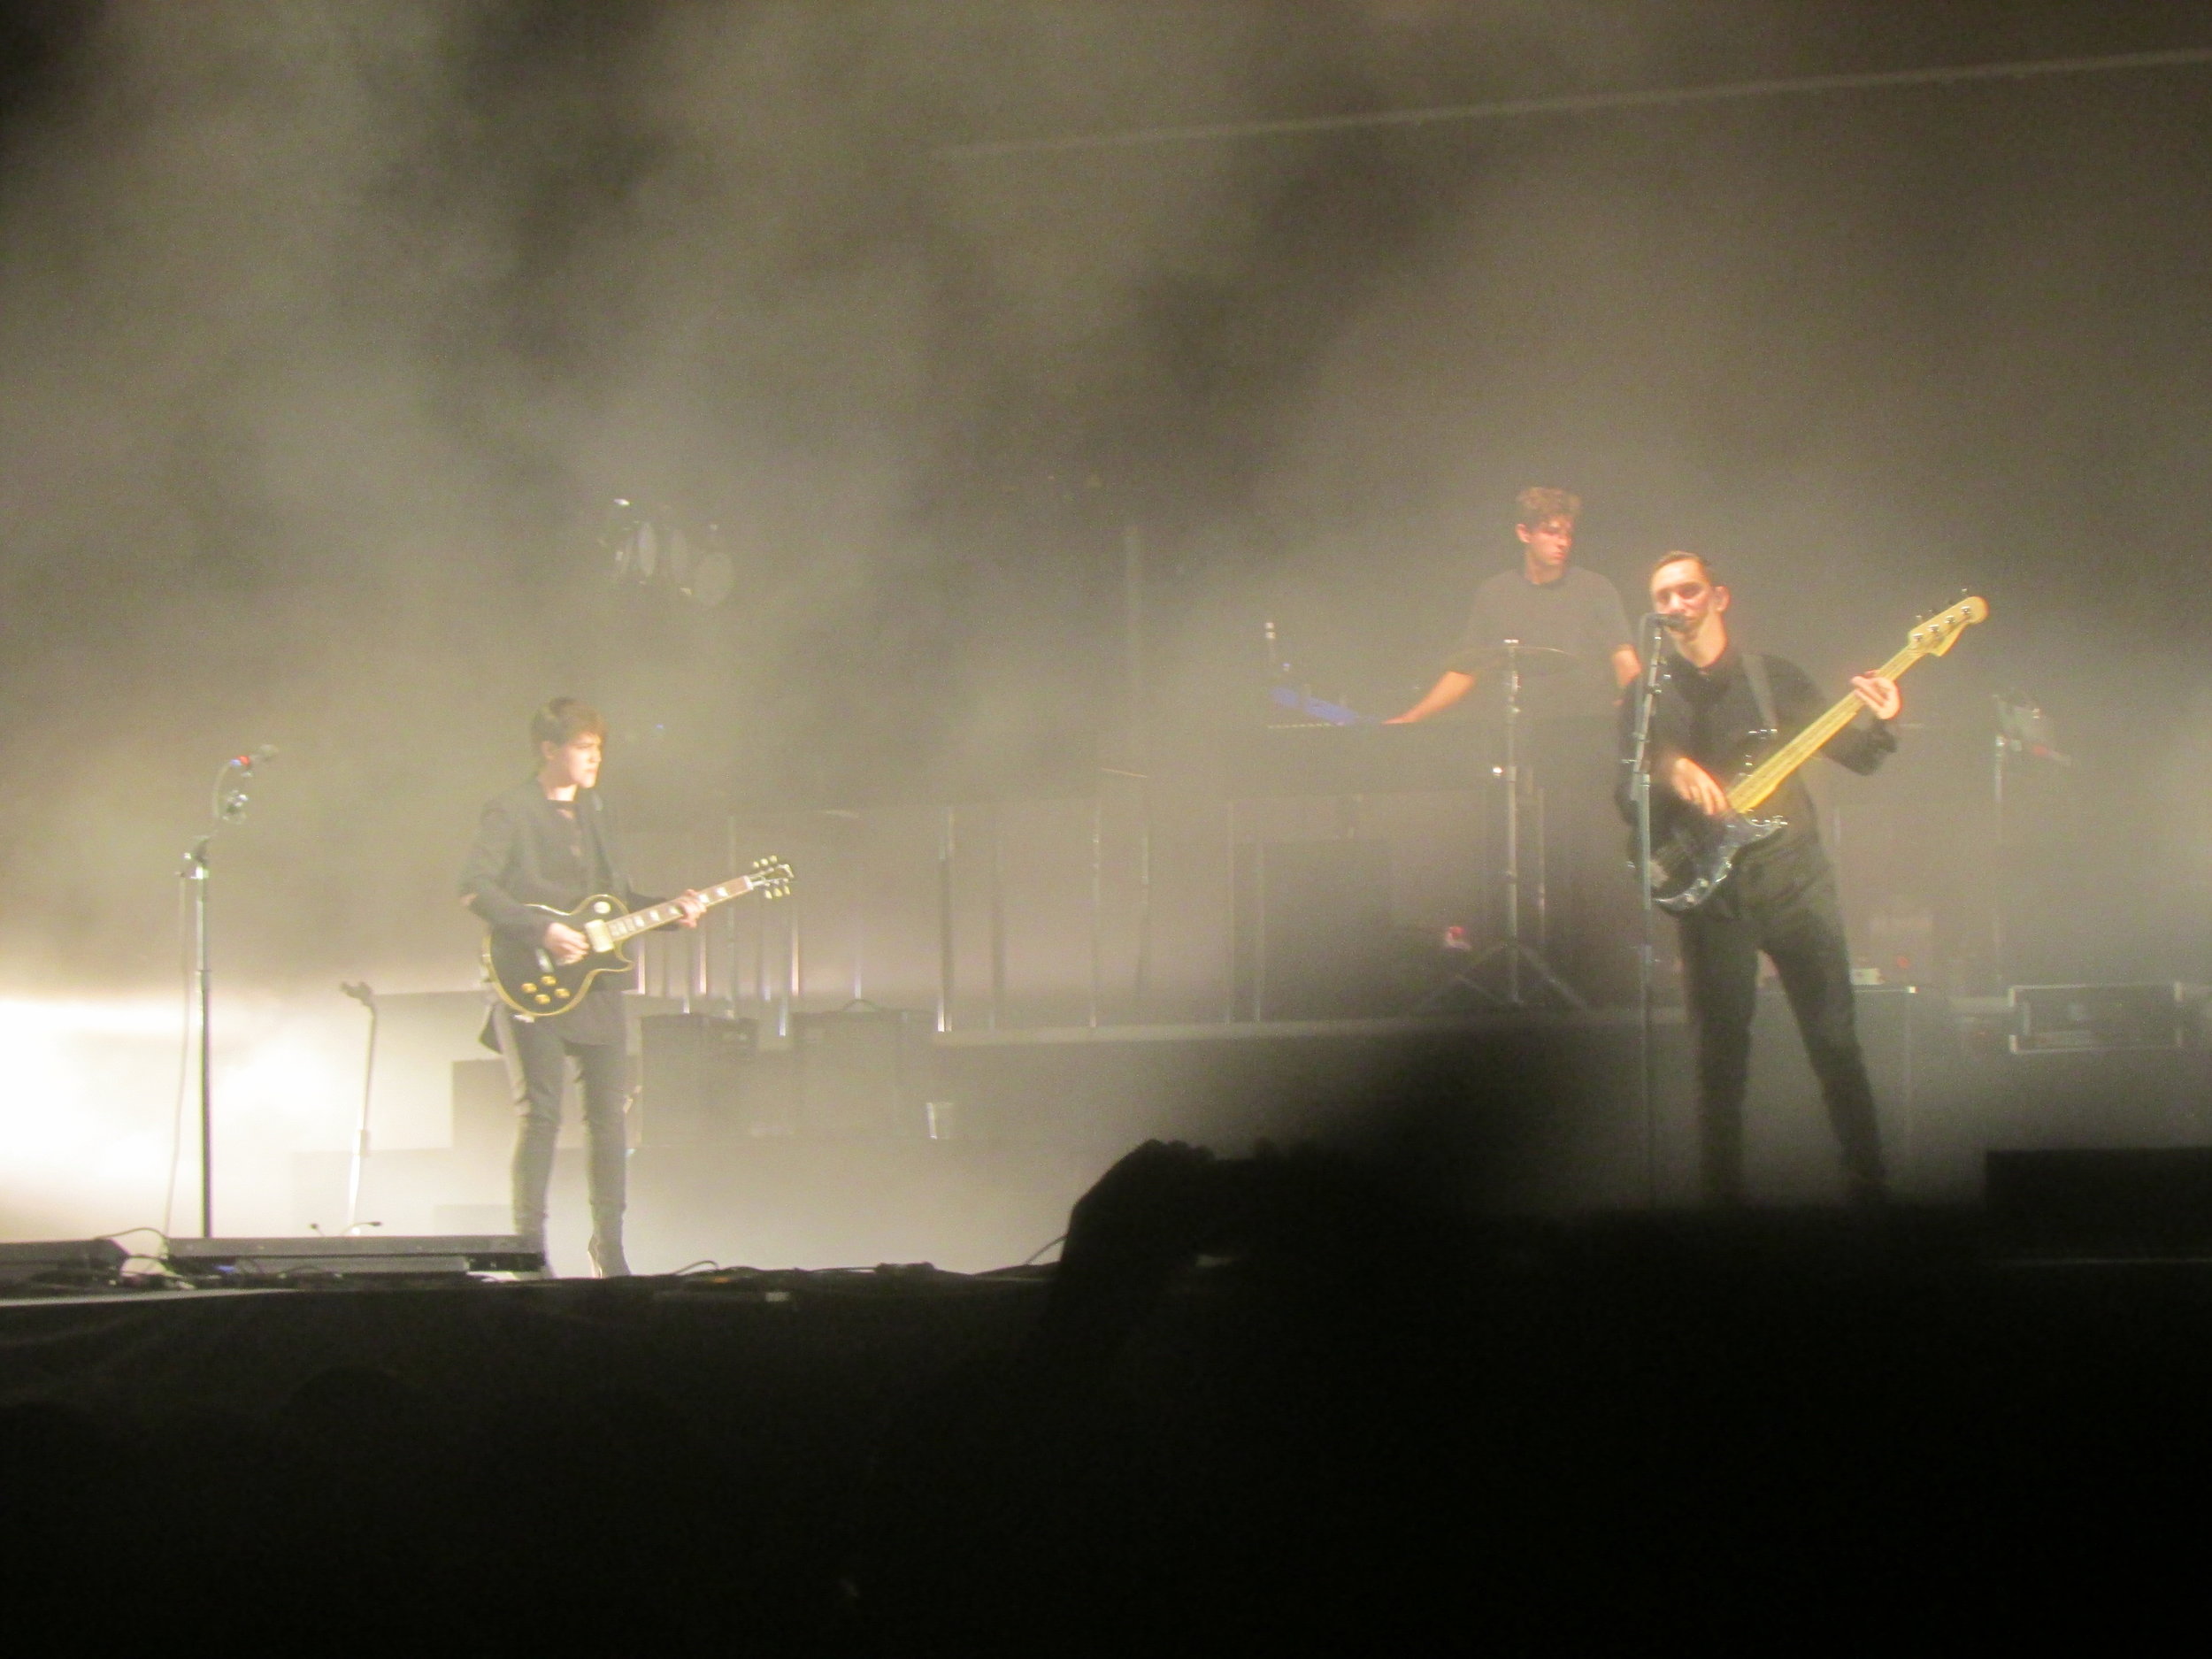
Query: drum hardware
x,y
1527,978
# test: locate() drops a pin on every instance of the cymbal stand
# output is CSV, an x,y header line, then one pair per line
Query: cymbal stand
x,y
1529,978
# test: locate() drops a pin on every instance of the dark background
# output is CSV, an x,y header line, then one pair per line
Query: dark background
x,y
328,331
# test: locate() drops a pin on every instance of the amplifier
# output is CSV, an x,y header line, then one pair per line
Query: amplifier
x,y
266,1261
692,1069
2102,1201
863,1072
2101,1019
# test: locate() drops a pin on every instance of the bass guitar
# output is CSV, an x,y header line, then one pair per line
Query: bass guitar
x,y
1698,849
531,982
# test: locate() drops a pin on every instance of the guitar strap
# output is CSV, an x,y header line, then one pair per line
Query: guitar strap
x,y
1755,668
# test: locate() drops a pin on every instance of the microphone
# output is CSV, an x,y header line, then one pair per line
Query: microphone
x,y
247,763
362,995
1672,624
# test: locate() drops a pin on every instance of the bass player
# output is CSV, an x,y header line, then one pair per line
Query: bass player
x,y
550,842
1716,708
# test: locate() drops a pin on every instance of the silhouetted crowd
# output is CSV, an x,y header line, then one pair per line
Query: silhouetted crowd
x,y
1261,1406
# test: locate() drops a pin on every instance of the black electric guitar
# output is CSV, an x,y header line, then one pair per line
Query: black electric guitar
x,y
531,982
1698,850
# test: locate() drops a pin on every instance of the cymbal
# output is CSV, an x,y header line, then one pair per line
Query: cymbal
x,y
1534,661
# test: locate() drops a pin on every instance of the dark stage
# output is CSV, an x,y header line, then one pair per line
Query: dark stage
x,y
1320,1417
1127,567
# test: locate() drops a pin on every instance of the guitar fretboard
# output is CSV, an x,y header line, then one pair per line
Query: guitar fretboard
x,y
660,915
1771,773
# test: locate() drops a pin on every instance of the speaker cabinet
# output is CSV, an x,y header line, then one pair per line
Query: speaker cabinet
x,y
692,1075
863,1073
2103,1201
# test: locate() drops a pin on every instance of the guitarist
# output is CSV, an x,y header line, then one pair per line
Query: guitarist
x,y
549,842
1715,709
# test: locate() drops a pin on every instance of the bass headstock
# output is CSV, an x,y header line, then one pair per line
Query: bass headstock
x,y
1939,633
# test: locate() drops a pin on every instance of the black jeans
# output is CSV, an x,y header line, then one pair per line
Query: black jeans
x,y
1785,905
603,1068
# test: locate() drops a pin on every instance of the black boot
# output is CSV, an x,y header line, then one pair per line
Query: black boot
x,y
606,1245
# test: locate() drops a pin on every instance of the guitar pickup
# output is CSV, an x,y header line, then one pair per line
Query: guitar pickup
x,y
601,941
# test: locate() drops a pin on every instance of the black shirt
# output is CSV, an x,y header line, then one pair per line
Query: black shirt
x,y
1712,716
1580,613
531,850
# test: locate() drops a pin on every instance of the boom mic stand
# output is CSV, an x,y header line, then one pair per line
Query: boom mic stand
x,y
1653,651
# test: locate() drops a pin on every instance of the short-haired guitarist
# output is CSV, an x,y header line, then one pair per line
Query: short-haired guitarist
x,y
1716,708
549,841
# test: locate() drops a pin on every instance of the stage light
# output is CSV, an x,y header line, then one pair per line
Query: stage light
x,y
648,545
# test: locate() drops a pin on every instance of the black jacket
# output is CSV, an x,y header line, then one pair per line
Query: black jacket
x,y
1712,716
528,852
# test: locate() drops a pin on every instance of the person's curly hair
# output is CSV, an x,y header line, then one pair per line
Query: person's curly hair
x,y
1540,505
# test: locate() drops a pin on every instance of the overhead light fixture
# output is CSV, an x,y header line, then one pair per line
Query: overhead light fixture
x,y
646,546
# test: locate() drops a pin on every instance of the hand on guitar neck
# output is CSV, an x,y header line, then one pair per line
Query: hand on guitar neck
x,y
1880,695
1698,786
567,945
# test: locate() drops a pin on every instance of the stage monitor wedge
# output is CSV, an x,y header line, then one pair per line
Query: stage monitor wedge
x,y
61,1262
316,1258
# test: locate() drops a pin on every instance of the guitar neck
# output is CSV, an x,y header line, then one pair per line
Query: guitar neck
x,y
660,915
1771,773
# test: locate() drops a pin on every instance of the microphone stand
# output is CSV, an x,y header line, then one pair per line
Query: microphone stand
x,y
367,997
194,870
228,807
1653,653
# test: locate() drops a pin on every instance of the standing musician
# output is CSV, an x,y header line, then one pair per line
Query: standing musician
x,y
1716,706
549,841
1547,603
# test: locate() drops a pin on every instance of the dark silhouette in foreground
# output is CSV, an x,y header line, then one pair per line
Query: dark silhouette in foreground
x,y
1262,1405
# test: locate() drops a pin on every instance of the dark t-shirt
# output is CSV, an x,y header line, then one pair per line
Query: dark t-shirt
x,y
1580,613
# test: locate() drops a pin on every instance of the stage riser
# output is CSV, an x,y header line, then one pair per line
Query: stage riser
x,y
1541,1115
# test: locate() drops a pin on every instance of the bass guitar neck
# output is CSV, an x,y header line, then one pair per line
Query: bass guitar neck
x,y
1932,638
1695,856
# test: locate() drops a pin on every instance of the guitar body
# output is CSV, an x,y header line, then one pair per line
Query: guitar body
x,y
1696,854
531,982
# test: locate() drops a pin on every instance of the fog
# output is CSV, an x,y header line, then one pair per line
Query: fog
x,y
328,332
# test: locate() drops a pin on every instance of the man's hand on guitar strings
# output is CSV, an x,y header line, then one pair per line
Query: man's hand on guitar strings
x,y
1696,786
567,944
1879,695
694,906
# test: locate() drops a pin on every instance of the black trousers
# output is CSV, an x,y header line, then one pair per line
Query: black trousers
x,y
1785,905
603,1067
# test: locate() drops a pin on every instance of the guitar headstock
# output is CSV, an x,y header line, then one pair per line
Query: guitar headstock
x,y
1939,633
770,877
